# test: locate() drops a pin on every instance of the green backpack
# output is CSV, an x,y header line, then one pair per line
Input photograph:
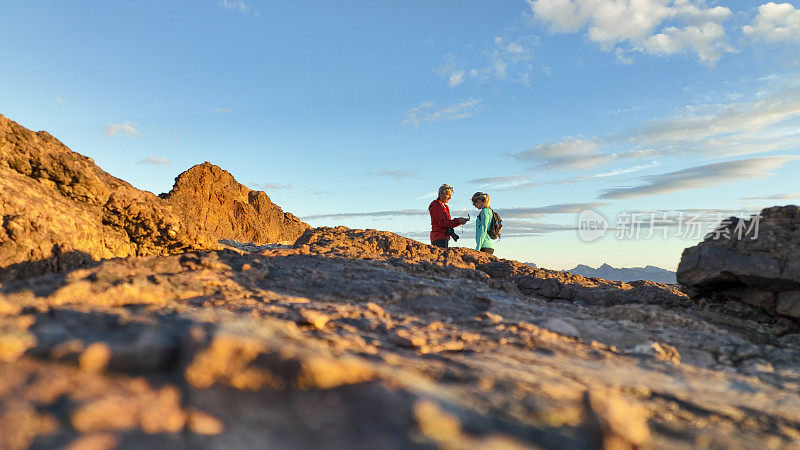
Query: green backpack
x,y
495,226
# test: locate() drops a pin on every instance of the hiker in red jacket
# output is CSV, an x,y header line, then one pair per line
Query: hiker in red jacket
x,y
441,223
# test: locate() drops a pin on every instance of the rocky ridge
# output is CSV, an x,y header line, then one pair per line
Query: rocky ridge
x,y
60,211
650,273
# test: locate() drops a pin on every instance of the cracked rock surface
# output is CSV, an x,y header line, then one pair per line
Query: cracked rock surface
x,y
365,338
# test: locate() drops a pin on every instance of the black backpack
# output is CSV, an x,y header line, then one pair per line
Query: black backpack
x,y
495,226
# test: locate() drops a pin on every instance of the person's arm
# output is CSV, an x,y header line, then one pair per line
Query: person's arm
x,y
444,219
481,225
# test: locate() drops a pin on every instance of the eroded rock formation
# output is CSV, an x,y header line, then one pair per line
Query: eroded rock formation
x,y
58,210
761,273
230,210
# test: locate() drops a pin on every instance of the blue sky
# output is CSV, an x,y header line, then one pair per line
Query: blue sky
x,y
353,113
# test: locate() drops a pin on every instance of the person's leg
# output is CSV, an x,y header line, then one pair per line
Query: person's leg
x,y
488,250
441,243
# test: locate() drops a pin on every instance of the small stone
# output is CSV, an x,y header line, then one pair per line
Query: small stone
x,y
435,423
614,422
94,441
659,350
757,365
113,412
404,338
14,344
8,308
789,304
489,318
203,423
561,327
315,318
376,308
95,358
436,326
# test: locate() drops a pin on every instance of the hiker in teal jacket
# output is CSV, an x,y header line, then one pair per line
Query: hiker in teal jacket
x,y
482,239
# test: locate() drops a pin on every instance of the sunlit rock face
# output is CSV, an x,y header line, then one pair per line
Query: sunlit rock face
x,y
60,211
230,210
734,264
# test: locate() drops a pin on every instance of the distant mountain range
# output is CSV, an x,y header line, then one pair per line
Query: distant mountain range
x,y
650,273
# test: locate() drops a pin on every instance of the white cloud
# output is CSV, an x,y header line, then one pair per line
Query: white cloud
x,y
505,55
234,5
568,154
399,212
456,78
775,23
222,110
541,211
519,228
707,40
661,27
505,183
795,196
508,61
766,124
449,64
155,161
428,111
701,176
397,174
744,119
519,212
125,129
615,172
430,195
503,60
271,186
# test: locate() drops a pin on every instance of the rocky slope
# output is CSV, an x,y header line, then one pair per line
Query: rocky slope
x,y
365,338
59,211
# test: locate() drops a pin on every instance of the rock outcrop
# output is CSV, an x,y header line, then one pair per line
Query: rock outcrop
x,y
761,271
501,273
365,338
59,211
230,210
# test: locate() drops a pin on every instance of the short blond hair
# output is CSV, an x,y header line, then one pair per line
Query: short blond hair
x,y
481,196
445,187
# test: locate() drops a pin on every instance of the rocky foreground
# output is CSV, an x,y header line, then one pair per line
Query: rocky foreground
x,y
365,339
